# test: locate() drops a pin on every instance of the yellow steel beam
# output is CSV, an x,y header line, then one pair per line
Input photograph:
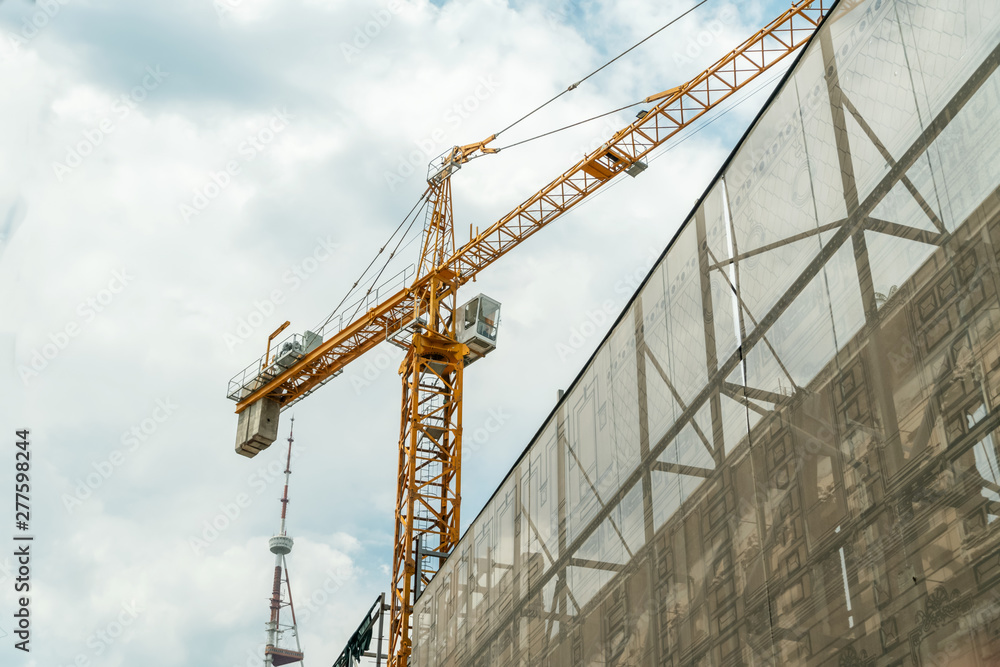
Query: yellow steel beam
x,y
334,354
429,476
677,108
680,106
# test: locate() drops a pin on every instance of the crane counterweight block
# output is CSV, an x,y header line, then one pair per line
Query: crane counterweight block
x,y
257,427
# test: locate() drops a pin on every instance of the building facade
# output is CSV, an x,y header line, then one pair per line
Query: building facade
x,y
785,452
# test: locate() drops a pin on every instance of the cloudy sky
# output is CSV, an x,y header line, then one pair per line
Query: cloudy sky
x,y
182,177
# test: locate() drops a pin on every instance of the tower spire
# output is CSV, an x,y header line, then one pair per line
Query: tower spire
x,y
288,474
281,545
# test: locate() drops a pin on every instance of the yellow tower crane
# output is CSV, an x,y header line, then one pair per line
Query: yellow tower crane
x,y
441,337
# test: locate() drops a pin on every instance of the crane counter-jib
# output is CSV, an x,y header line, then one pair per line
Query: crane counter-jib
x,y
332,354
268,386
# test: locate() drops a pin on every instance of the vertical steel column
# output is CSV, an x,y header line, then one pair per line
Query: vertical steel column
x,y
429,481
272,623
381,616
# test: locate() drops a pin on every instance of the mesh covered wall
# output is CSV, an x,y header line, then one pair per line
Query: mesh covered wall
x,y
786,450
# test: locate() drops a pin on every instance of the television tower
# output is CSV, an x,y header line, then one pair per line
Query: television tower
x,y
281,545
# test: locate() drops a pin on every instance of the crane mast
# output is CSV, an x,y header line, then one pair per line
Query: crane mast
x,y
428,485
425,319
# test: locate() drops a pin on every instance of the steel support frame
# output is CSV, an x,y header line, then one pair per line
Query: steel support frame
x,y
429,478
859,219
429,474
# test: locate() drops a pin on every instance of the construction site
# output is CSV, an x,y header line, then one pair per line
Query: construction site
x,y
782,453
